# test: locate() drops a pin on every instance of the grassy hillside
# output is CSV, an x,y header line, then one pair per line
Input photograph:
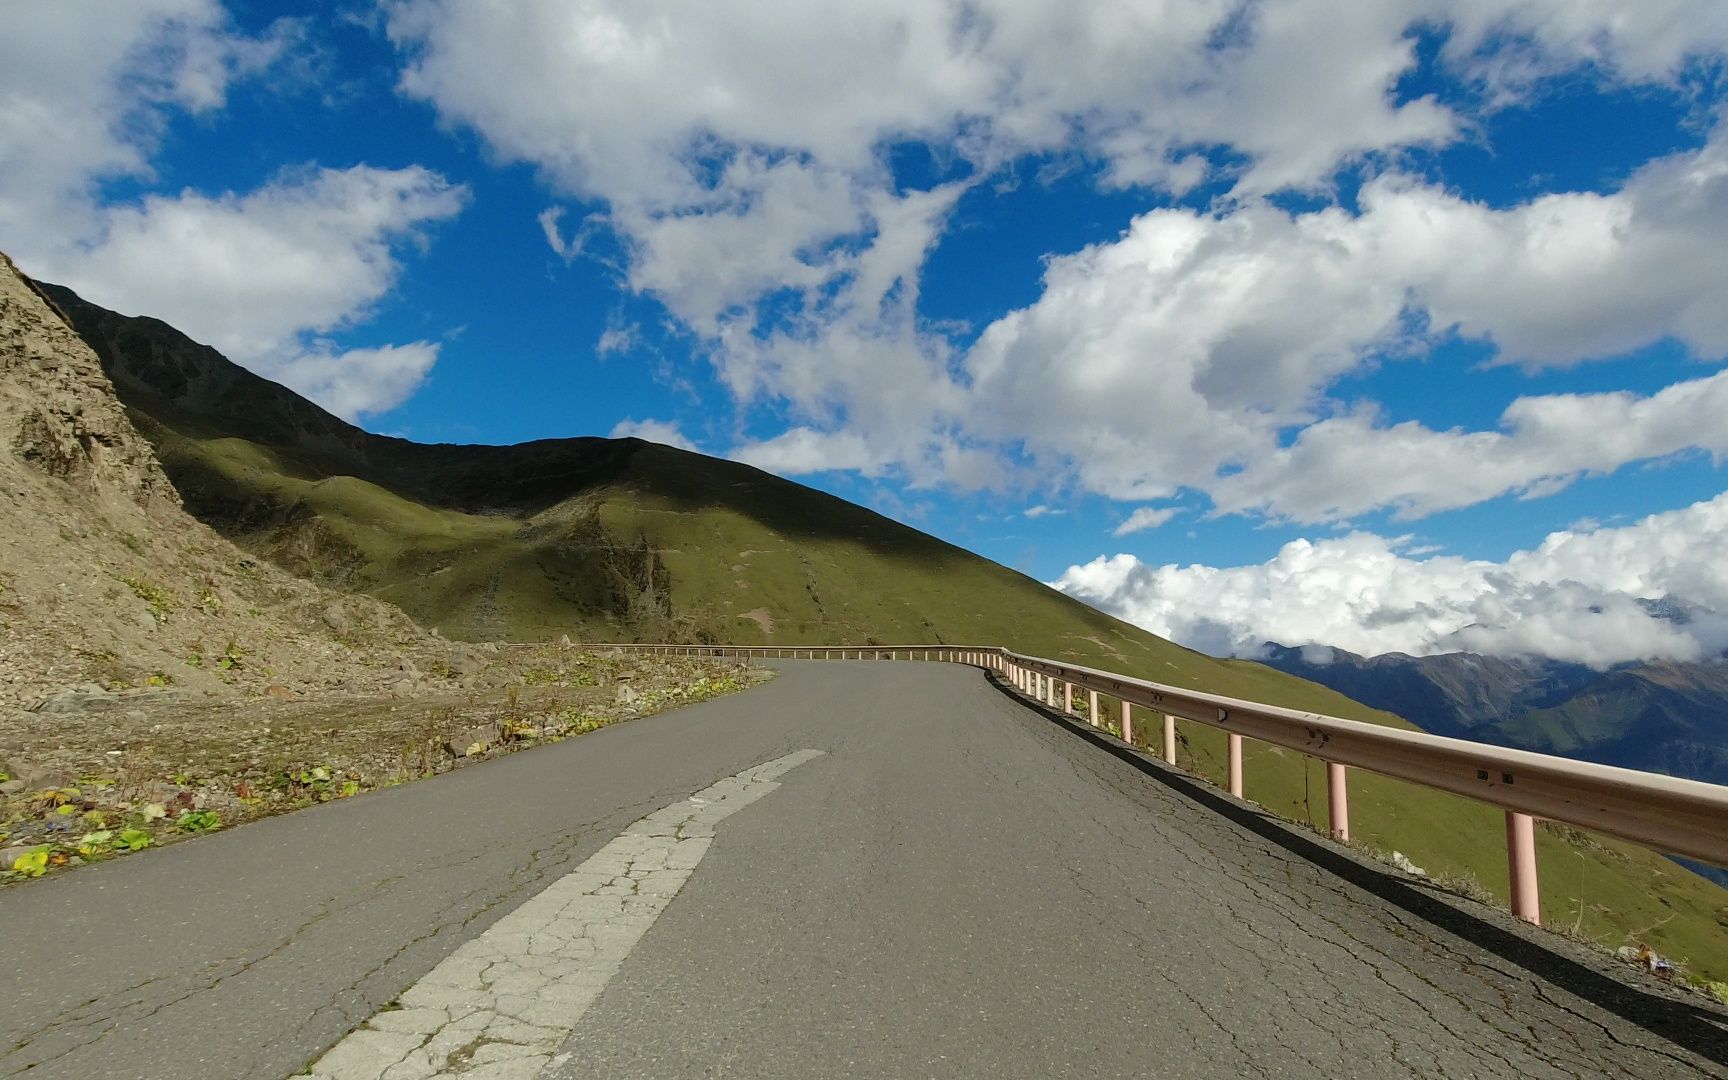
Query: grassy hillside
x,y
626,540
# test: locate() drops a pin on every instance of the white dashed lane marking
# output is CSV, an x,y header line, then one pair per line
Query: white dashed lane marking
x,y
499,1007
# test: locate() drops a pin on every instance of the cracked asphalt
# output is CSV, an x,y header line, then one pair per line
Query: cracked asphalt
x,y
960,886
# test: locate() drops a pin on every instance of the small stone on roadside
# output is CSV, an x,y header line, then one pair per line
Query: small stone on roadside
x,y
1402,862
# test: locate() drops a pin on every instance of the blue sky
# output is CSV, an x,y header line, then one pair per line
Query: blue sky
x,y
1356,310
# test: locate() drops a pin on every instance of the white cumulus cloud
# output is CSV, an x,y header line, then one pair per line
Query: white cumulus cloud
x,y
655,431
1144,518
354,382
86,87
1574,597
262,276
741,153
1177,355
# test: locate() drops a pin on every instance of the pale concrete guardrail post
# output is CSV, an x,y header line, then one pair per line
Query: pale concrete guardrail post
x,y
1338,801
1169,739
1521,863
1092,708
1235,742
1068,699
1128,723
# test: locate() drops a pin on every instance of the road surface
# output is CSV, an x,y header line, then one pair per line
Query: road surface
x,y
859,869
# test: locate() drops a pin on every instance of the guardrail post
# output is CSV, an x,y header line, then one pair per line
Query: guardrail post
x,y
1092,709
1128,723
1521,861
1235,742
1067,698
1169,739
1338,801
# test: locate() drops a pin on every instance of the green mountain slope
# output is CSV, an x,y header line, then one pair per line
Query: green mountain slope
x,y
627,540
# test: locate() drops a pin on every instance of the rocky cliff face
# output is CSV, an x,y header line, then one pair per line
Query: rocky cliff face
x,y
108,587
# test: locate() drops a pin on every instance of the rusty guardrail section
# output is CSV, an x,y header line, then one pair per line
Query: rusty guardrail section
x,y
1680,817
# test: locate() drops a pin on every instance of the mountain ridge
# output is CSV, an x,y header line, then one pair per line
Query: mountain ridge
x,y
1658,716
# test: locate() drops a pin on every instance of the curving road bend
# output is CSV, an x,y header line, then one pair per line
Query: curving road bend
x,y
859,869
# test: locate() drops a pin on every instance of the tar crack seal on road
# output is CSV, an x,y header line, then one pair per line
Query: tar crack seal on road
x,y
499,1007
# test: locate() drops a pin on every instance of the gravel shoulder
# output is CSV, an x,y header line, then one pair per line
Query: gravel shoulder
x,y
105,775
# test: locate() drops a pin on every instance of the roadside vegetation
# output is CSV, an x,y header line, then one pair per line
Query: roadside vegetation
x,y
175,768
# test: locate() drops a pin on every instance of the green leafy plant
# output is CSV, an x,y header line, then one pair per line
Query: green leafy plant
x,y
198,821
161,601
92,844
133,839
33,863
231,656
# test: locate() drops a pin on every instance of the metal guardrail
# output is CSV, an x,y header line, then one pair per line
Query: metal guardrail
x,y
1669,814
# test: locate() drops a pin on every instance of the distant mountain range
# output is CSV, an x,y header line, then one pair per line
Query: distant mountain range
x,y
1660,716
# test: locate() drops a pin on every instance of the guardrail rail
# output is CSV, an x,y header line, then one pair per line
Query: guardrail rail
x,y
1666,813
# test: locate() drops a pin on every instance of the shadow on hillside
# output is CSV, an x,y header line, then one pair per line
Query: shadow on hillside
x,y
1697,1028
171,384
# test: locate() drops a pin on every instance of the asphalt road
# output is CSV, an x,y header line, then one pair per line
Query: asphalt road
x,y
958,886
